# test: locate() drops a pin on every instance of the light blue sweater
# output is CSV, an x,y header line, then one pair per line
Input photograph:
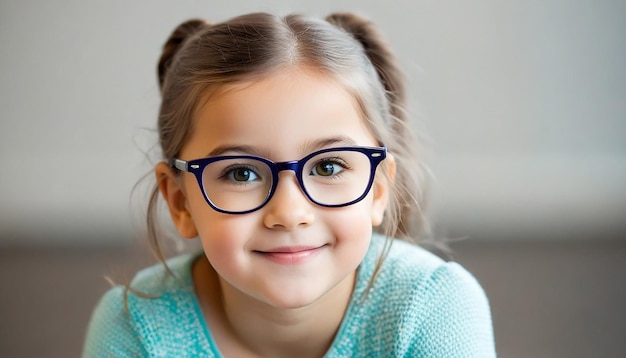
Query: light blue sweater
x,y
419,306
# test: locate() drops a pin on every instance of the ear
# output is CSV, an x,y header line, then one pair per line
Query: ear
x,y
172,192
381,188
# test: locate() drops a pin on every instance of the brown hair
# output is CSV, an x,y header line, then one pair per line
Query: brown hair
x,y
199,59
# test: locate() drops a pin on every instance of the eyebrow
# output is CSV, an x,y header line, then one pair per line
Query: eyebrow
x,y
328,142
307,147
247,149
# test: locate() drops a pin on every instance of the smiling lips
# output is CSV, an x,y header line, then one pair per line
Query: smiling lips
x,y
291,255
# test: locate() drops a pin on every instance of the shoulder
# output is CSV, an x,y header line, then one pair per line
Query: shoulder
x,y
420,305
110,331
142,319
404,267
449,315
411,271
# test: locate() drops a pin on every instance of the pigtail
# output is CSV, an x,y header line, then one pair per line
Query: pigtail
x,y
174,43
379,53
408,219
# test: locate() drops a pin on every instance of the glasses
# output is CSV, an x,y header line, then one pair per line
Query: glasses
x,y
240,184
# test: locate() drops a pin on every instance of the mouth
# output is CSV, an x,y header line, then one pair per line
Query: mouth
x,y
291,255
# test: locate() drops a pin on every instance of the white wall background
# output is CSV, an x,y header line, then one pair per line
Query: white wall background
x,y
524,103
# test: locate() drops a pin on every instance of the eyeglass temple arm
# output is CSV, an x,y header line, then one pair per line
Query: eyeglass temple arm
x,y
179,164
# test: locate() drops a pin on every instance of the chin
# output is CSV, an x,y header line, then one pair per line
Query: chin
x,y
287,301
297,296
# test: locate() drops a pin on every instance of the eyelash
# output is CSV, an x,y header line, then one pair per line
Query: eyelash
x,y
226,174
334,161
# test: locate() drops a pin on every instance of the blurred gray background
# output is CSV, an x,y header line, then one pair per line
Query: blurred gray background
x,y
522,110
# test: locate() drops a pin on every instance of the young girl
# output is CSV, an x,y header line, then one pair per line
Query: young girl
x,y
287,154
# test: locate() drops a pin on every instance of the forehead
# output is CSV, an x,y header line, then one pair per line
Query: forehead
x,y
279,114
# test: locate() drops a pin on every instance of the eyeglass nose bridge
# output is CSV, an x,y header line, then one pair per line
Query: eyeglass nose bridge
x,y
294,166
291,165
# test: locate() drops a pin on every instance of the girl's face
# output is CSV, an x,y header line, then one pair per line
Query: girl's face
x,y
291,252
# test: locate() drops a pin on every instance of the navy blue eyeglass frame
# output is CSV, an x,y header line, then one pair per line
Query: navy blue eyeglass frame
x,y
196,167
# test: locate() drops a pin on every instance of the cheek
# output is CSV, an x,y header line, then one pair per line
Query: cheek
x,y
351,225
224,240
224,232
352,231
224,237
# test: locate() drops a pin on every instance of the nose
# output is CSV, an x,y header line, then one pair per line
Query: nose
x,y
288,208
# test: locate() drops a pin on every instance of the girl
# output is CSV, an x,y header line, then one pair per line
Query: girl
x,y
285,148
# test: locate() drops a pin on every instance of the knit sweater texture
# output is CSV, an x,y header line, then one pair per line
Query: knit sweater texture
x,y
418,306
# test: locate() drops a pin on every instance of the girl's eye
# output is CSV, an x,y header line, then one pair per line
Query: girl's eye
x,y
242,175
326,168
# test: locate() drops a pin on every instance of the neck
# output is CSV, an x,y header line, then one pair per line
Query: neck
x,y
278,332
